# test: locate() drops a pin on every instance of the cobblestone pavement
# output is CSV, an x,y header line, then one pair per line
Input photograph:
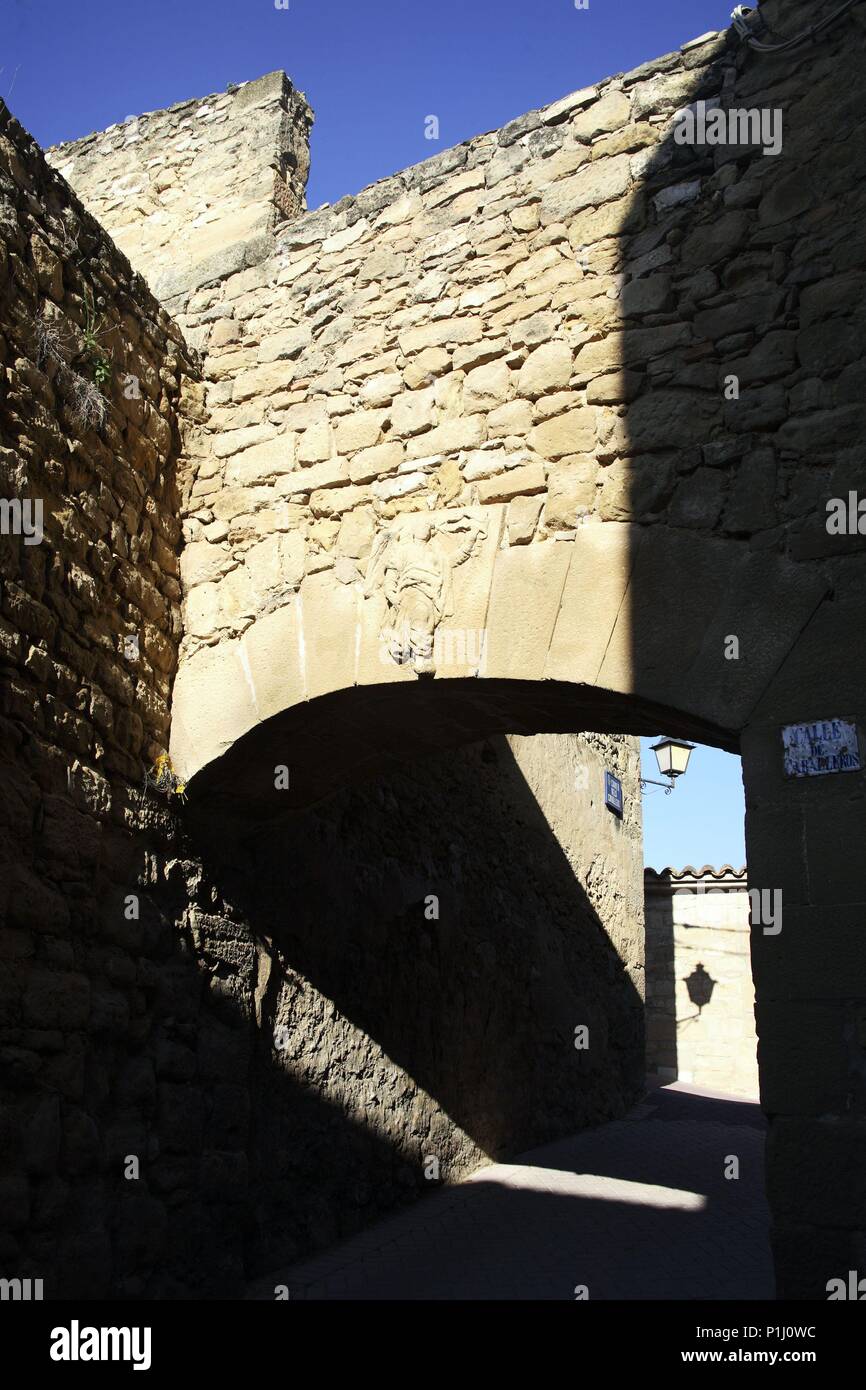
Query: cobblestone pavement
x,y
638,1208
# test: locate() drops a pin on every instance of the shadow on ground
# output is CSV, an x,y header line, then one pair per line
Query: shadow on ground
x,y
639,1208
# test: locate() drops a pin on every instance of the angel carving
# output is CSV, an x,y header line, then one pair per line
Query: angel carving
x,y
413,569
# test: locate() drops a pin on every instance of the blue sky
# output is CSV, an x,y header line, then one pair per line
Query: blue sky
x,y
372,71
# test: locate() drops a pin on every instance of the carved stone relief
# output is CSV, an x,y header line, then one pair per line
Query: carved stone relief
x,y
412,567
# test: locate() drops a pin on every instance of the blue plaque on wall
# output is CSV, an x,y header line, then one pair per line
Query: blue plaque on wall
x,y
613,793
828,745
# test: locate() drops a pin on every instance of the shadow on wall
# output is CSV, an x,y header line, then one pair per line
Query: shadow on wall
x,y
452,1026
252,1035
700,985
740,368
661,1009
716,495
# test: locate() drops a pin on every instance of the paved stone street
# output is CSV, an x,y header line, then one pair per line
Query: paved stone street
x,y
639,1208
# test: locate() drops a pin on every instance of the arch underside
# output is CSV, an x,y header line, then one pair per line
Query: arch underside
x,y
350,735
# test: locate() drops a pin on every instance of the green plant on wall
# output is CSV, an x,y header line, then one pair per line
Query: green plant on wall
x,y
98,360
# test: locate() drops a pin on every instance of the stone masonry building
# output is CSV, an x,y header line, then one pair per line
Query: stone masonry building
x,y
538,437
700,999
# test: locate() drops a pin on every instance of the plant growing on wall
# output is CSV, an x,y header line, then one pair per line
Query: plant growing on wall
x,y
87,403
98,361
163,778
49,341
82,388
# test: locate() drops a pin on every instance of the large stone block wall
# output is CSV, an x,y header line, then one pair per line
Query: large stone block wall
x,y
700,999
197,189
100,458
530,335
83,953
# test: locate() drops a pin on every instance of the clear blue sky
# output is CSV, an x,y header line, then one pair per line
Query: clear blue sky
x,y
372,69
701,822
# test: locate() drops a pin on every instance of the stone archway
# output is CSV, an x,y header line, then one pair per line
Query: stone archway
x,y
603,648
600,633
613,386
637,386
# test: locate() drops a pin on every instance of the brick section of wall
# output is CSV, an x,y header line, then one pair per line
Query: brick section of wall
x,y
192,191
700,996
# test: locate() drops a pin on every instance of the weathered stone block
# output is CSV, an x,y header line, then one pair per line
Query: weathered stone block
x,y
335,501
212,706
513,418
571,494
328,611
316,443
428,364
372,463
413,411
522,519
516,481
571,433
524,603
486,387
439,333
547,368
274,657
600,564
451,435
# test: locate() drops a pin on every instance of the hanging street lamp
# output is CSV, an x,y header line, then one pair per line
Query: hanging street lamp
x,y
672,756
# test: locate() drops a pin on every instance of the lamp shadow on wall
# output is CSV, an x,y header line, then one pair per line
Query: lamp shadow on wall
x,y
699,987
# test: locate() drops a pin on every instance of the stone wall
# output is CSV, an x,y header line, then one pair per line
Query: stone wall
x,y
216,1053
90,432
517,362
422,951
198,189
700,1000
432,344
529,336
